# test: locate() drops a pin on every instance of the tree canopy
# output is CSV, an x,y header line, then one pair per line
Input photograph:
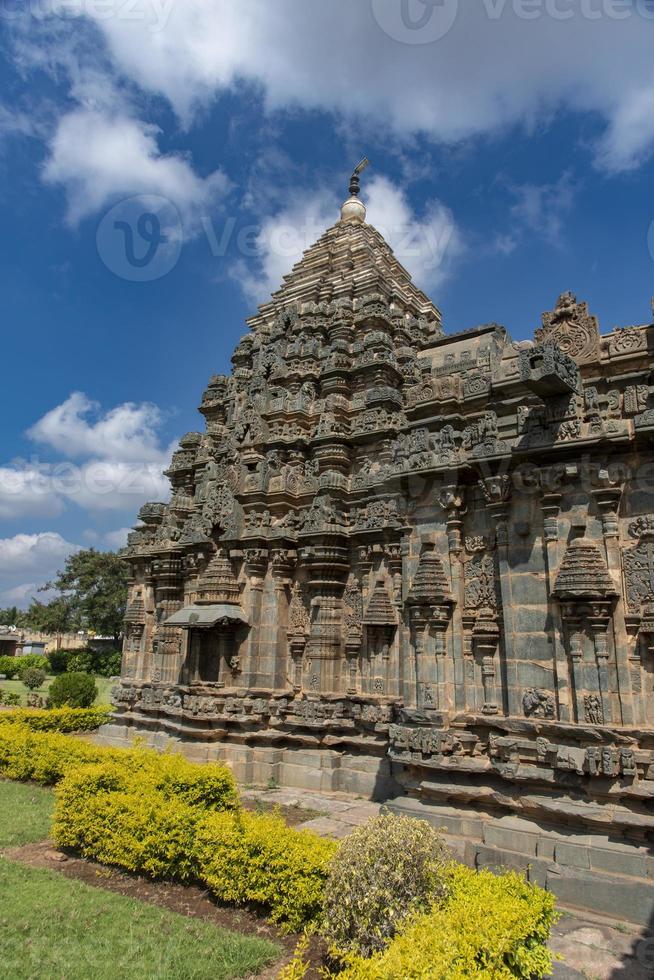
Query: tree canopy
x,y
93,594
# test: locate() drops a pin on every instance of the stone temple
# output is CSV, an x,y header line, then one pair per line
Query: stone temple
x,y
416,566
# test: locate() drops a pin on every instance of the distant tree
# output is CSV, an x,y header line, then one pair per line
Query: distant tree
x,y
57,616
93,585
12,616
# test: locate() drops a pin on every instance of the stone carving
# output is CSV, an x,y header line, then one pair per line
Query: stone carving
x,y
538,704
574,331
593,709
480,582
638,564
627,340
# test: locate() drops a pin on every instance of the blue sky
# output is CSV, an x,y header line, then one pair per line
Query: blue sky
x,y
511,147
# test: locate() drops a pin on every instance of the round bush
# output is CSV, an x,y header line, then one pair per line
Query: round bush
x,y
383,872
33,678
77,690
30,661
81,661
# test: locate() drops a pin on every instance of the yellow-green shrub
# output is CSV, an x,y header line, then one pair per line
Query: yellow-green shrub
x,y
489,926
41,756
101,814
57,719
139,810
46,757
258,859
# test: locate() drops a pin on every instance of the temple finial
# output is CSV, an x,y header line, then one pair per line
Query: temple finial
x,y
354,179
353,209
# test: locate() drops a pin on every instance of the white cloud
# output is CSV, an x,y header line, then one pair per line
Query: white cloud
x,y
281,241
118,538
426,244
36,557
114,461
98,156
541,208
77,427
501,62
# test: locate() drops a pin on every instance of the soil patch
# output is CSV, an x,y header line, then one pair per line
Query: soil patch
x,y
293,815
189,900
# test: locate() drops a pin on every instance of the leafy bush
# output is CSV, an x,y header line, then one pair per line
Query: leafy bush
x,y
58,719
108,663
9,698
142,817
31,661
33,678
77,690
80,662
257,859
9,666
58,660
488,926
383,872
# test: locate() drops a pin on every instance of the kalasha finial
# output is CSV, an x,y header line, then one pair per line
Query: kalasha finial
x,y
354,179
353,210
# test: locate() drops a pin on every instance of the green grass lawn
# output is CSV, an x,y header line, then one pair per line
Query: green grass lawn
x,y
55,927
104,685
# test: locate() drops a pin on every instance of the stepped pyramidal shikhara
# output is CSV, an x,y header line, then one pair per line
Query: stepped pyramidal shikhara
x,y
419,566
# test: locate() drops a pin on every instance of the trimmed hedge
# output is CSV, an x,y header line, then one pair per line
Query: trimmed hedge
x,y
248,858
57,719
106,663
489,926
15,666
142,817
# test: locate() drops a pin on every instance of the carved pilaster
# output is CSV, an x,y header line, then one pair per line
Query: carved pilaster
x,y
497,493
551,505
452,500
572,619
599,619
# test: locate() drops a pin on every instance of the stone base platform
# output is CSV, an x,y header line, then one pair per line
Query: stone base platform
x,y
589,871
585,868
321,770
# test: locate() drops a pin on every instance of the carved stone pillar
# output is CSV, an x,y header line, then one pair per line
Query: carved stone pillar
x,y
419,619
452,500
258,670
572,619
282,563
327,562
607,498
497,492
486,636
598,620
551,507
297,633
641,646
